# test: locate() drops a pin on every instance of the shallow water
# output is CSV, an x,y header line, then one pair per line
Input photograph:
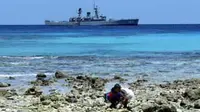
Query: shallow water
x,y
162,52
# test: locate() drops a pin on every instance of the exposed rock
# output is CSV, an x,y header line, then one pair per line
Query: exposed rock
x,y
165,85
43,98
150,107
71,98
183,103
52,97
197,104
60,75
98,83
56,105
87,95
160,101
171,96
165,108
11,93
192,94
8,93
33,91
2,84
3,92
46,102
138,83
84,83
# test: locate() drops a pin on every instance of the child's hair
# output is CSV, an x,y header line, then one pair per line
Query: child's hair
x,y
117,86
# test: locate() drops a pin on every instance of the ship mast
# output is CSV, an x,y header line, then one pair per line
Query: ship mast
x,y
96,10
79,12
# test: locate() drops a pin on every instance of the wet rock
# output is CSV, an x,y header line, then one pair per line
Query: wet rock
x,y
116,77
33,91
46,82
138,83
80,77
126,74
197,104
42,82
2,84
40,76
192,94
11,78
141,80
60,75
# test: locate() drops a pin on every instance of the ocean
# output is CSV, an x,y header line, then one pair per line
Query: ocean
x,y
161,52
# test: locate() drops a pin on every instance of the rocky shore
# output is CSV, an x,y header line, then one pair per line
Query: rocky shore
x,y
86,95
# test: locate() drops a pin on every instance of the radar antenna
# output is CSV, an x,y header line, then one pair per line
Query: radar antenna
x,y
96,10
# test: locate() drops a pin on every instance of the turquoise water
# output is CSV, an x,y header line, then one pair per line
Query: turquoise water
x,y
61,45
119,41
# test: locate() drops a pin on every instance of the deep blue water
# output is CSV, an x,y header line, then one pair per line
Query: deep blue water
x,y
151,49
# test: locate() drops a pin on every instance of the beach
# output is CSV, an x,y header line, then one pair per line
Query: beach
x,y
68,69
87,95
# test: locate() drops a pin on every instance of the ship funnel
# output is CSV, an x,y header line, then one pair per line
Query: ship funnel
x,y
88,14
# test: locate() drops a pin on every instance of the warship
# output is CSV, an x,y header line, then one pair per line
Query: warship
x,y
93,20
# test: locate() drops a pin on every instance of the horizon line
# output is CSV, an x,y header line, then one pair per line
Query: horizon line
x,y
138,24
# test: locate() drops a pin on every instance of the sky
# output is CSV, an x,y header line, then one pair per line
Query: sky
x,y
148,11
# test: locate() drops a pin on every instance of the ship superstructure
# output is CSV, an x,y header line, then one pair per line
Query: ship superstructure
x,y
90,20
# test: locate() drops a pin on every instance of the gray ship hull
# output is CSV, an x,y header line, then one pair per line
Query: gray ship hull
x,y
122,22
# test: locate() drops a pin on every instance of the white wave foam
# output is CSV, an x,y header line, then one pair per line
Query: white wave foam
x,y
16,75
21,75
22,57
39,57
19,63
